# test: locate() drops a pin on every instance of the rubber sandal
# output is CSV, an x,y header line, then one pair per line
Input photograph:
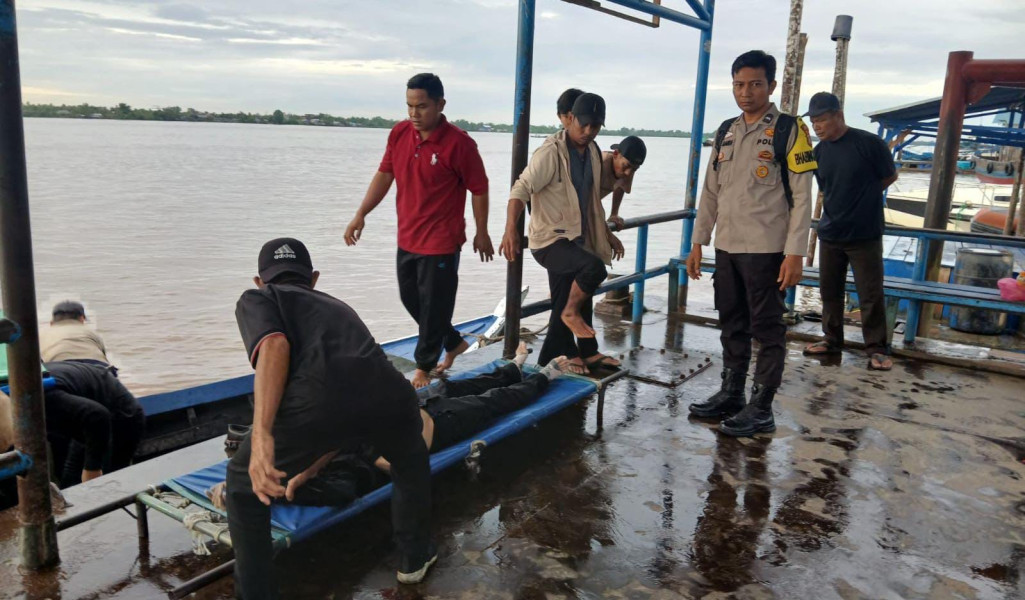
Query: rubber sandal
x,y
601,363
880,358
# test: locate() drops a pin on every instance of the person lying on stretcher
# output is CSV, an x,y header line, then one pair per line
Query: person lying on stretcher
x,y
452,410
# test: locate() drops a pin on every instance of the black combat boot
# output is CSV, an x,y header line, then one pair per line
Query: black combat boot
x,y
727,401
756,416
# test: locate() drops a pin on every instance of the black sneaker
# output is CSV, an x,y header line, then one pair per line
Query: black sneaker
x,y
415,570
236,435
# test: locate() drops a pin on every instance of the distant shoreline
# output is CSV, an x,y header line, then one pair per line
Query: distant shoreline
x,y
124,112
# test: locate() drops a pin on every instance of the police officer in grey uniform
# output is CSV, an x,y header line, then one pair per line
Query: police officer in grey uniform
x,y
761,234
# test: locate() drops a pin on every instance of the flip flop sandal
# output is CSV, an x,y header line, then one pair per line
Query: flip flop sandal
x,y
827,350
879,358
602,363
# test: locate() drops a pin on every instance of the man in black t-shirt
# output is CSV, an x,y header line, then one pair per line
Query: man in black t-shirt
x,y
855,167
322,383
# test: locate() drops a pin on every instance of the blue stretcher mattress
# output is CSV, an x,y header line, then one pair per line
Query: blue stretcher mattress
x,y
293,523
239,386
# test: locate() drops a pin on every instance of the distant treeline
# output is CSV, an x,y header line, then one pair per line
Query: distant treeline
x,y
175,113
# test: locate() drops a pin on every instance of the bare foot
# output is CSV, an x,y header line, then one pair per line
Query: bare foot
x,y
450,357
577,325
218,495
421,379
572,365
521,355
555,367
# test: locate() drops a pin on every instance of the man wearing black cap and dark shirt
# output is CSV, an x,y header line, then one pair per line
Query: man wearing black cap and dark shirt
x,y
568,235
617,171
322,383
855,167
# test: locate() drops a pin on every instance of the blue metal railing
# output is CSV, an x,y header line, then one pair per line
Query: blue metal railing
x,y
925,237
14,463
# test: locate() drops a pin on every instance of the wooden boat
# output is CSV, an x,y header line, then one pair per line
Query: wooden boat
x,y
991,220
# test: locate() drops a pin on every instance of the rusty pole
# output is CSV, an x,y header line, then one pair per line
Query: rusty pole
x,y
788,97
941,184
842,37
38,532
1009,228
801,45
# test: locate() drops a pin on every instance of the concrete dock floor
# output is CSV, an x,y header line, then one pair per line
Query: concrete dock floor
x,y
906,484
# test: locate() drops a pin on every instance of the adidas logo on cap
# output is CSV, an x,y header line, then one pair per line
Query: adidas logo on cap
x,y
284,252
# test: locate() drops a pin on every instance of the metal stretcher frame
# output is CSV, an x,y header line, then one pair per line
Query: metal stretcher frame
x,y
570,389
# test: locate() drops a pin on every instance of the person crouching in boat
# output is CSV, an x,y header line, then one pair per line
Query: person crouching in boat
x,y
93,423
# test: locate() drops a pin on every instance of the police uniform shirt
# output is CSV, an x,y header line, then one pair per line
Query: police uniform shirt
x,y
337,371
744,200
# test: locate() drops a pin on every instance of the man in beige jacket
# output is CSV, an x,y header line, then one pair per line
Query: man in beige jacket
x,y
568,235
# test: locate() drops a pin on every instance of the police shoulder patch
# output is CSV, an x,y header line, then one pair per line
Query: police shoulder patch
x,y
801,158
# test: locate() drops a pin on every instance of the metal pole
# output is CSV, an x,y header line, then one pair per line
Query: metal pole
x,y
941,184
639,266
842,37
1009,228
521,145
696,138
38,533
788,97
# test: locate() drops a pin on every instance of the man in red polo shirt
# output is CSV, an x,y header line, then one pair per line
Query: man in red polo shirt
x,y
433,164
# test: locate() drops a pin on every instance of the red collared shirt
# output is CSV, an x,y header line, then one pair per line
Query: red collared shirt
x,y
432,177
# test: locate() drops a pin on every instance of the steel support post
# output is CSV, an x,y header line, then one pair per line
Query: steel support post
x,y
679,299
38,531
521,145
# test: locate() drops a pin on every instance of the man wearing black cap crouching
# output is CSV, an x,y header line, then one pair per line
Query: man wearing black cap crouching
x,y
322,383
617,171
568,235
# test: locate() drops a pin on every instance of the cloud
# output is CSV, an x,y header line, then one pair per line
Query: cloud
x,y
353,57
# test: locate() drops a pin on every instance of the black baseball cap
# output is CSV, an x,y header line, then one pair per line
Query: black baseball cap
x,y
822,103
69,308
284,255
633,149
589,109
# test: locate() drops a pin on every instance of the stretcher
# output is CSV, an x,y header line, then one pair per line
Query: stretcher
x,y
183,498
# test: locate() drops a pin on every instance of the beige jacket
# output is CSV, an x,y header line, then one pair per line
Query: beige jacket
x,y
547,187
71,340
744,201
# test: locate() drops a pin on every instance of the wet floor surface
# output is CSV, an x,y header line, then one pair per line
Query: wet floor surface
x,y
907,484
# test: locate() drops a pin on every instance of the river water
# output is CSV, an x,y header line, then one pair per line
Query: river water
x,y
155,227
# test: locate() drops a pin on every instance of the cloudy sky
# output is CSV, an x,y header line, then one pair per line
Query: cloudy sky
x,y
351,57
